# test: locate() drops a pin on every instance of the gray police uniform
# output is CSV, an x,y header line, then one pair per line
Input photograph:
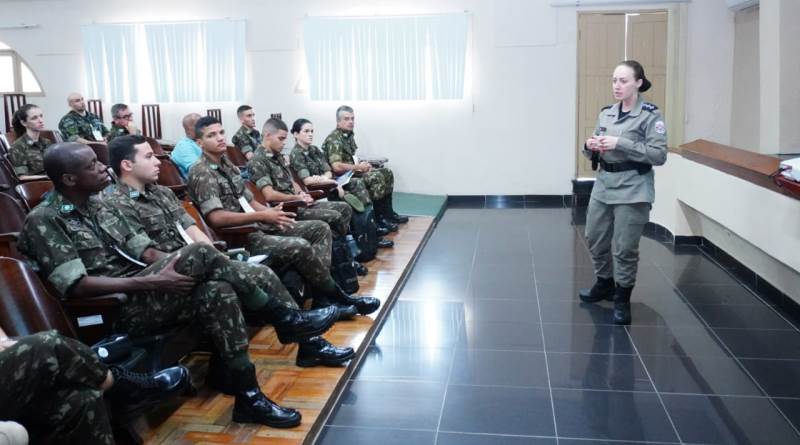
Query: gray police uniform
x,y
624,190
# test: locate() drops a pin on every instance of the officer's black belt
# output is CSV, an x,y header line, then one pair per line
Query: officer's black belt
x,y
614,167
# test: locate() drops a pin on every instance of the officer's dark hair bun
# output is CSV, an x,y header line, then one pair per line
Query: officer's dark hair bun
x,y
638,73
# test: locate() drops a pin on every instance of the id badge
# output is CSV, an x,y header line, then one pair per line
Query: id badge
x,y
246,205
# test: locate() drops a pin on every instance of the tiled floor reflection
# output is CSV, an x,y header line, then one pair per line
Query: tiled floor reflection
x,y
489,344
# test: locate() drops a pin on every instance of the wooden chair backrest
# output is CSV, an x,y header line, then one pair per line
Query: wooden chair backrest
x,y
151,121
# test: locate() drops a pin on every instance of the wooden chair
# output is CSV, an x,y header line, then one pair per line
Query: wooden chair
x,y
228,237
151,121
236,156
12,103
5,144
101,151
169,176
53,135
95,107
33,192
7,178
13,214
10,137
158,150
216,113
288,206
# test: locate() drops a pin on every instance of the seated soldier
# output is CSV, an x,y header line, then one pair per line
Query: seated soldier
x,y
274,179
186,151
340,146
80,125
247,139
27,151
217,188
155,211
54,385
311,166
121,122
85,247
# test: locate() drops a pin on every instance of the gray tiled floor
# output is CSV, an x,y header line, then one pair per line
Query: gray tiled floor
x,y
489,344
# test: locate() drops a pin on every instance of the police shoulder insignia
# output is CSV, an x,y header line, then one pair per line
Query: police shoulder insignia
x,y
648,106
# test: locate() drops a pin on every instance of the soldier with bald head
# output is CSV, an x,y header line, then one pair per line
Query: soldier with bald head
x,y
79,125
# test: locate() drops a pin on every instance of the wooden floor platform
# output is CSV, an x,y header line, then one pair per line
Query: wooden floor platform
x,y
206,418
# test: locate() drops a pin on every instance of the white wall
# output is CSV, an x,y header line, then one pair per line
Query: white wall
x,y
513,134
746,100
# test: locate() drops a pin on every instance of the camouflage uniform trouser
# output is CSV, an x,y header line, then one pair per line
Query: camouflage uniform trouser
x,y
51,385
380,182
357,187
336,214
306,247
264,278
212,303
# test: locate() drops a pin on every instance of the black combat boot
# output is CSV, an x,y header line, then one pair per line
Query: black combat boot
x,y
393,216
360,269
384,243
219,378
252,406
135,387
294,325
622,305
380,230
343,311
382,218
365,305
603,289
318,351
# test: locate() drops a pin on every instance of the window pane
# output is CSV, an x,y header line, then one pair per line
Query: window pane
x,y
29,83
6,74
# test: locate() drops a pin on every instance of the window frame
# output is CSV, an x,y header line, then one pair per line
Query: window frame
x,y
16,62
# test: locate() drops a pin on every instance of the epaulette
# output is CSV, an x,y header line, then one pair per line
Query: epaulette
x,y
649,107
606,107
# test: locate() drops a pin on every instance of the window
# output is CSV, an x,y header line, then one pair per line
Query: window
x,y
15,75
386,58
165,62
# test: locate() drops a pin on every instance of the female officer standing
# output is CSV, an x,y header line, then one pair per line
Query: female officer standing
x,y
629,139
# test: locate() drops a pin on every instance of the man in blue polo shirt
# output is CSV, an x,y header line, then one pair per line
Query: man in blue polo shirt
x,y
186,151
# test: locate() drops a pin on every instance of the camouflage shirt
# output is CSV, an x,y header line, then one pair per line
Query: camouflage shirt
x,y
340,146
246,140
117,131
308,162
269,169
154,212
26,155
68,243
215,186
74,126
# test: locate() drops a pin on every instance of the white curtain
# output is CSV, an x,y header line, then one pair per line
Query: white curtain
x,y
109,54
176,62
386,58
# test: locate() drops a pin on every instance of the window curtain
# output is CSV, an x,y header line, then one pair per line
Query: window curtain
x,y
386,58
176,62
109,53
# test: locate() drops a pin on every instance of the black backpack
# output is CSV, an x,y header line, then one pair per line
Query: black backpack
x,y
342,269
365,231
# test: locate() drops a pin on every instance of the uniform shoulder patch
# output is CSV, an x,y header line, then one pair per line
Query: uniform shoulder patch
x,y
649,107
606,107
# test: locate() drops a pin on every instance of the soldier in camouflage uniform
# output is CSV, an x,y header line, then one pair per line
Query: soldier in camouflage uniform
x,y
85,247
247,138
217,188
340,147
154,210
26,153
272,176
121,122
54,386
80,125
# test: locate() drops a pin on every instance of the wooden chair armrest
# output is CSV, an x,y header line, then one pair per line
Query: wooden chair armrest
x,y
94,317
324,187
289,206
317,194
220,245
236,236
31,178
